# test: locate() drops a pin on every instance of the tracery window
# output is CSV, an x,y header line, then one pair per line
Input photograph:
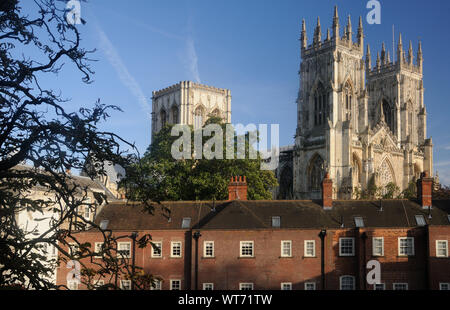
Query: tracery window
x,y
316,173
348,101
198,118
163,117
320,106
387,111
175,115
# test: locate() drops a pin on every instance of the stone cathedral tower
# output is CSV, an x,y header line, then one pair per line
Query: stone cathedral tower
x,y
189,103
359,122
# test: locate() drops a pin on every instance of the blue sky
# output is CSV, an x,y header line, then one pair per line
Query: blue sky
x,y
248,46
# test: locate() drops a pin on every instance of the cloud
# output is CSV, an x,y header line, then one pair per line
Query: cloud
x,y
192,59
124,75
447,148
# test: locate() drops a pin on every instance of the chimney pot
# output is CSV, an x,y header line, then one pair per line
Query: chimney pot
x,y
237,189
425,190
327,192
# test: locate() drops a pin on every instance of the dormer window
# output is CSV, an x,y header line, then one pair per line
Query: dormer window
x,y
276,221
186,222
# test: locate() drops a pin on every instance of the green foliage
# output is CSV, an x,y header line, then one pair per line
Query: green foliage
x,y
411,191
159,176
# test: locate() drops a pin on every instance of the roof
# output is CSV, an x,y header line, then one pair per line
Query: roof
x,y
250,215
81,181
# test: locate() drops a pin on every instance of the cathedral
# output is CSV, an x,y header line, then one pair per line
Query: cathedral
x,y
189,103
362,122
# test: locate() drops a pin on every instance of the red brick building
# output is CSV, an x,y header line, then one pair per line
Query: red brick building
x,y
297,245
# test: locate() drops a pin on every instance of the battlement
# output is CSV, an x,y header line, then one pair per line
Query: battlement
x,y
384,64
334,38
189,84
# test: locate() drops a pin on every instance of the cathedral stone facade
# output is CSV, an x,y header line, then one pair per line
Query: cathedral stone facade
x,y
358,121
189,103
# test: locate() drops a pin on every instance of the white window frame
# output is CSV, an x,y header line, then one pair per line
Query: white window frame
x,y
341,278
52,250
412,246
205,286
122,286
442,284
88,217
157,255
310,283
172,246
73,282
243,284
374,252
353,246
158,285
446,248
73,248
306,248
383,287
288,286
283,242
98,283
205,247
98,245
119,245
246,255
396,284
172,286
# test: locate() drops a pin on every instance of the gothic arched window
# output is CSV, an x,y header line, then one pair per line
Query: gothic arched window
x,y
163,117
316,173
387,111
198,118
174,115
320,106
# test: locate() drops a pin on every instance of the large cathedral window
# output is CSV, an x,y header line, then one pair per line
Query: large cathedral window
x,y
174,115
320,106
316,173
387,111
198,118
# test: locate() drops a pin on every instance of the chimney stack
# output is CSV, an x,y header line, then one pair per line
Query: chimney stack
x,y
327,192
425,190
237,189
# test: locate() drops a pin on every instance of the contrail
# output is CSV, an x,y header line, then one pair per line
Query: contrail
x,y
192,59
122,71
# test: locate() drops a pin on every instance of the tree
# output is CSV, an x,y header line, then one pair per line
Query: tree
x,y
36,128
158,174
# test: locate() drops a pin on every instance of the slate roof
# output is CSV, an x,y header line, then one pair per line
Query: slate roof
x,y
251,215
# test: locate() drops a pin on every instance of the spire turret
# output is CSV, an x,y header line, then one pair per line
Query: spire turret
x,y
420,56
378,61
318,32
400,50
303,36
383,54
336,24
349,29
410,54
368,59
360,34
328,34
